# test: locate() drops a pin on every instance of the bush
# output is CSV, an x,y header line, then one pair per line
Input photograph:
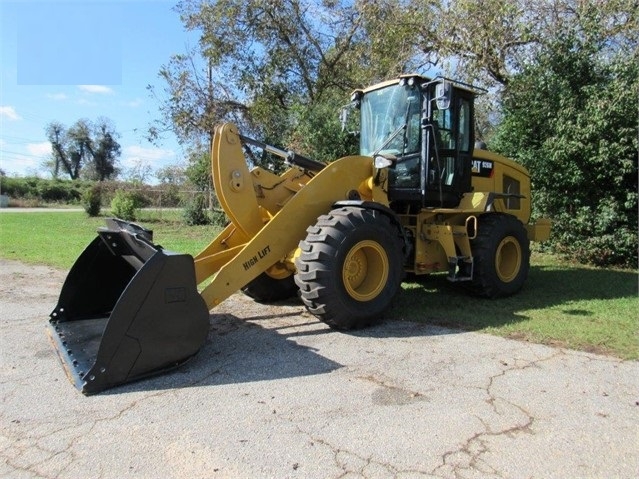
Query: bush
x,y
92,200
58,191
140,200
16,187
124,206
195,212
45,190
219,218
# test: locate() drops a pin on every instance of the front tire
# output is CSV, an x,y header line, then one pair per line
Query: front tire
x,y
350,267
501,253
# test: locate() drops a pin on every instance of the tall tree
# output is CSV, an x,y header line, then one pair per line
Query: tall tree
x,y
70,147
104,150
84,149
193,100
270,65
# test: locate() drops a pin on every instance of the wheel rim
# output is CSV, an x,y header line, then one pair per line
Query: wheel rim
x,y
508,259
365,270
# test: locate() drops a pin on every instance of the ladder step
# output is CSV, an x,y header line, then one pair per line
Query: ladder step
x,y
460,268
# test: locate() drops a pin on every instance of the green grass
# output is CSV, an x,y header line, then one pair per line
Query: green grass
x,y
574,306
57,239
590,309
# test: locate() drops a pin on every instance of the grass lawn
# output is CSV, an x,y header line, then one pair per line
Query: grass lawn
x,y
591,309
579,307
57,239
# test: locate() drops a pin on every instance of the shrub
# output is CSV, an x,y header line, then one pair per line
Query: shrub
x,y
195,212
17,187
124,206
92,200
57,191
219,218
140,200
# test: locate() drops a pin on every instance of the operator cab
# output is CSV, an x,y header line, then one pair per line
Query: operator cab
x,y
425,127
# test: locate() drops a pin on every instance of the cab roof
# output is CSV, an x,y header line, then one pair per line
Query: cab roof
x,y
420,79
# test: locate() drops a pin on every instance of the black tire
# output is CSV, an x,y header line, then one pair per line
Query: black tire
x,y
501,253
350,267
266,289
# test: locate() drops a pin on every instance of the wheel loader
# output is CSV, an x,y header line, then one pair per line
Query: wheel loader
x,y
419,198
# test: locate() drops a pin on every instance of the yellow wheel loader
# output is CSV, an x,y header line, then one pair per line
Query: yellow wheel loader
x,y
419,198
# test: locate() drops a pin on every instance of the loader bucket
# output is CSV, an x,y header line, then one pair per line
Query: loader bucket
x,y
128,309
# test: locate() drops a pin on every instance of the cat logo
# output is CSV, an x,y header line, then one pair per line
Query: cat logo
x,y
483,168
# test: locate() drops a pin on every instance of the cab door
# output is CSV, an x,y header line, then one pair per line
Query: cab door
x,y
450,140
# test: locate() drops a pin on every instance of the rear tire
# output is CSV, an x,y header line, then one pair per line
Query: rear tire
x,y
501,253
265,289
351,267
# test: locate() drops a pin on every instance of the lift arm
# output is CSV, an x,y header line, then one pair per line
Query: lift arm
x,y
269,214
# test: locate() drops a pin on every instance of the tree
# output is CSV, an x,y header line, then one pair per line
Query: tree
x,y
571,118
171,175
194,100
198,171
275,68
139,172
104,150
86,149
68,147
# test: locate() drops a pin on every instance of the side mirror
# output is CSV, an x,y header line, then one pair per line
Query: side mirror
x,y
343,117
345,112
443,92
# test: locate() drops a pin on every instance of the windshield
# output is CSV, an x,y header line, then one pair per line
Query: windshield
x,y
385,110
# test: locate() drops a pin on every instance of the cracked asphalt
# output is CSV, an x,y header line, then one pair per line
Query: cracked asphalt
x,y
276,394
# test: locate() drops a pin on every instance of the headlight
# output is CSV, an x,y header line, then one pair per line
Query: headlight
x,y
383,161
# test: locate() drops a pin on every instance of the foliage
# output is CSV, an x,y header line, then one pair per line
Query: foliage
x,y
489,42
198,171
171,175
57,191
219,218
86,149
51,191
41,190
318,132
195,212
277,69
92,200
571,118
124,205
139,172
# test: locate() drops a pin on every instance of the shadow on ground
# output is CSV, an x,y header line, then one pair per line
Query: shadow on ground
x,y
261,346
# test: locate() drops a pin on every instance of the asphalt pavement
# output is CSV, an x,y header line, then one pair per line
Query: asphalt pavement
x,y
276,394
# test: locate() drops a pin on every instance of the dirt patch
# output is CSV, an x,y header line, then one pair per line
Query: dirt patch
x,y
20,282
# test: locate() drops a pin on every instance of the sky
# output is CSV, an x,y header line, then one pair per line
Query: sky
x,y
67,60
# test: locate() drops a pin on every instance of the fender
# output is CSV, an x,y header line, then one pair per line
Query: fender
x,y
385,210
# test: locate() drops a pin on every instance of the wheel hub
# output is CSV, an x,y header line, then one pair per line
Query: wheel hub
x,y
365,270
508,259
